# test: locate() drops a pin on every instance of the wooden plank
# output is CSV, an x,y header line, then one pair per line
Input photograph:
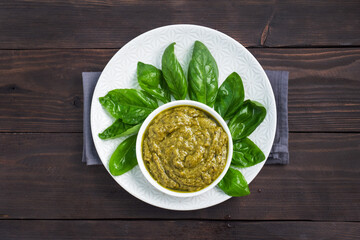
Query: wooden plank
x,y
41,90
168,230
111,24
324,87
42,177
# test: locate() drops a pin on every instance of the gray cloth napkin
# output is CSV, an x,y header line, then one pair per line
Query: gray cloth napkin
x,y
90,156
279,152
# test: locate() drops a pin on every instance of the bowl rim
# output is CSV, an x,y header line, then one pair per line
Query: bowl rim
x,y
148,120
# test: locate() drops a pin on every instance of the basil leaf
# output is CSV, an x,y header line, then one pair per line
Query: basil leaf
x,y
246,154
131,105
119,129
234,184
149,78
203,75
173,73
124,157
230,96
249,117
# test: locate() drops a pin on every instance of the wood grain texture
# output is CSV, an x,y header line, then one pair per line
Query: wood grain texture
x,y
47,193
110,24
42,177
41,90
169,230
324,87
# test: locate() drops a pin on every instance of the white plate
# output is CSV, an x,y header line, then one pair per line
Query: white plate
x,y
230,56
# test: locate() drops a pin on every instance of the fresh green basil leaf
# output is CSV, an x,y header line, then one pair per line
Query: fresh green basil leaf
x,y
119,129
249,117
124,157
151,80
130,105
230,96
203,75
173,73
234,183
246,153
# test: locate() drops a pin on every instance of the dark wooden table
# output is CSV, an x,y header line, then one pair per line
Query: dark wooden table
x,y
47,192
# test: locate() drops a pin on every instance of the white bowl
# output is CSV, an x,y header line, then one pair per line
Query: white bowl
x,y
144,126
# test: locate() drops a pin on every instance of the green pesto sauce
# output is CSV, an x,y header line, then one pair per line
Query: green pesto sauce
x,y
184,149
